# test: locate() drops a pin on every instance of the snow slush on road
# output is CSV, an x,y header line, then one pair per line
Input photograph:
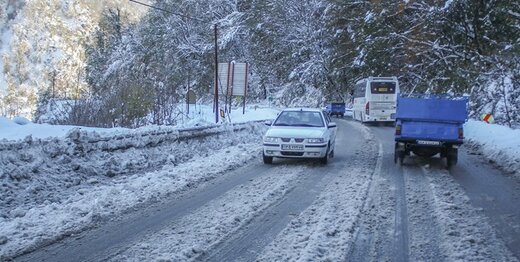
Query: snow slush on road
x,y
53,188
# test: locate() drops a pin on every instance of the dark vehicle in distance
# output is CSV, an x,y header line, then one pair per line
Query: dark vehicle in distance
x,y
337,109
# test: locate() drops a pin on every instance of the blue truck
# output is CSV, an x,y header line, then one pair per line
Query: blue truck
x,y
337,109
429,126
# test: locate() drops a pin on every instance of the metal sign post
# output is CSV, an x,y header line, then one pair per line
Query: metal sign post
x,y
216,76
245,89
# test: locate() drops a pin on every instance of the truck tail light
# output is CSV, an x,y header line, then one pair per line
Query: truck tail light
x,y
461,133
367,108
398,130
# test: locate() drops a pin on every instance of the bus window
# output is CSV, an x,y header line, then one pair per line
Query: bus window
x,y
359,90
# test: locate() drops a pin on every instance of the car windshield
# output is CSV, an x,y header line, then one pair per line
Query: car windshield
x,y
299,118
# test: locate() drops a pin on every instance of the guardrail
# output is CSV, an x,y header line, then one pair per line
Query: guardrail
x,y
78,142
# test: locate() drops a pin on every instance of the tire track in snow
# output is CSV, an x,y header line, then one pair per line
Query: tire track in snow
x,y
155,198
325,230
423,230
250,240
401,233
382,234
193,235
372,240
465,233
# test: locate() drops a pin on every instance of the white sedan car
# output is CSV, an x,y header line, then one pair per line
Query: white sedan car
x,y
300,133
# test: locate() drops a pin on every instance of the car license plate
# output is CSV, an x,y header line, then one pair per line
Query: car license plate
x,y
430,143
292,147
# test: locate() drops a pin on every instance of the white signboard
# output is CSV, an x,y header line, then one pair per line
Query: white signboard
x,y
232,78
224,73
239,79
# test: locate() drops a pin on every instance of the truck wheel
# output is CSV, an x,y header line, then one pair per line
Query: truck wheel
x,y
451,157
396,154
342,115
267,159
399,154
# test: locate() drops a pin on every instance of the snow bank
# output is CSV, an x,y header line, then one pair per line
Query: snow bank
x,y
20,128
500,144
199,116
21,120
54,187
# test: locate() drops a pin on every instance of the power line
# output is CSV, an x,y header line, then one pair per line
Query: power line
x,y
167,11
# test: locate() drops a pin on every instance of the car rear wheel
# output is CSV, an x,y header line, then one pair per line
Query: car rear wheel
x,y
267,159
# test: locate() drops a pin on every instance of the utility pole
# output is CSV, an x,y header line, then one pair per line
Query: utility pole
x,y
216,75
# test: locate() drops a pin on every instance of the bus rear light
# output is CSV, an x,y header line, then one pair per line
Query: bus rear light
x,y
398,130
367,108
461,133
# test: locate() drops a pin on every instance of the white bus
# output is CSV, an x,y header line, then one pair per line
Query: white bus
x,y
375,99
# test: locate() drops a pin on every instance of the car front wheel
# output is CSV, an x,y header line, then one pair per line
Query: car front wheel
x,y
324,160
267,159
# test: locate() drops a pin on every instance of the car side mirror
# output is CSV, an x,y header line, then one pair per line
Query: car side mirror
x,y
331,125
268,122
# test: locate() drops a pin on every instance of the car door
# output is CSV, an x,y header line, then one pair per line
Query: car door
x,y
330,131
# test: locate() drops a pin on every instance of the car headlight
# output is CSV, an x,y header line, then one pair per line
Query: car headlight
x,y
270,139
316,140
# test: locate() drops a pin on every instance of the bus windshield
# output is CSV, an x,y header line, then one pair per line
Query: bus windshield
x,y
382,87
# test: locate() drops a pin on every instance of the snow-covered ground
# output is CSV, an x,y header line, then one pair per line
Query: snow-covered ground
x,y
57,180
55,187
499,144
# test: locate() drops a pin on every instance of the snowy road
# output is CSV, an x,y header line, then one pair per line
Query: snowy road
x,y
360,207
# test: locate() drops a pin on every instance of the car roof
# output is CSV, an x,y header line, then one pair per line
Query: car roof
x,y
308,109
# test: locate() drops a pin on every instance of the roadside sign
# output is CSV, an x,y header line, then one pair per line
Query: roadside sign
x,y
232,78
239,79
488,118
222,113
191,97
224,81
